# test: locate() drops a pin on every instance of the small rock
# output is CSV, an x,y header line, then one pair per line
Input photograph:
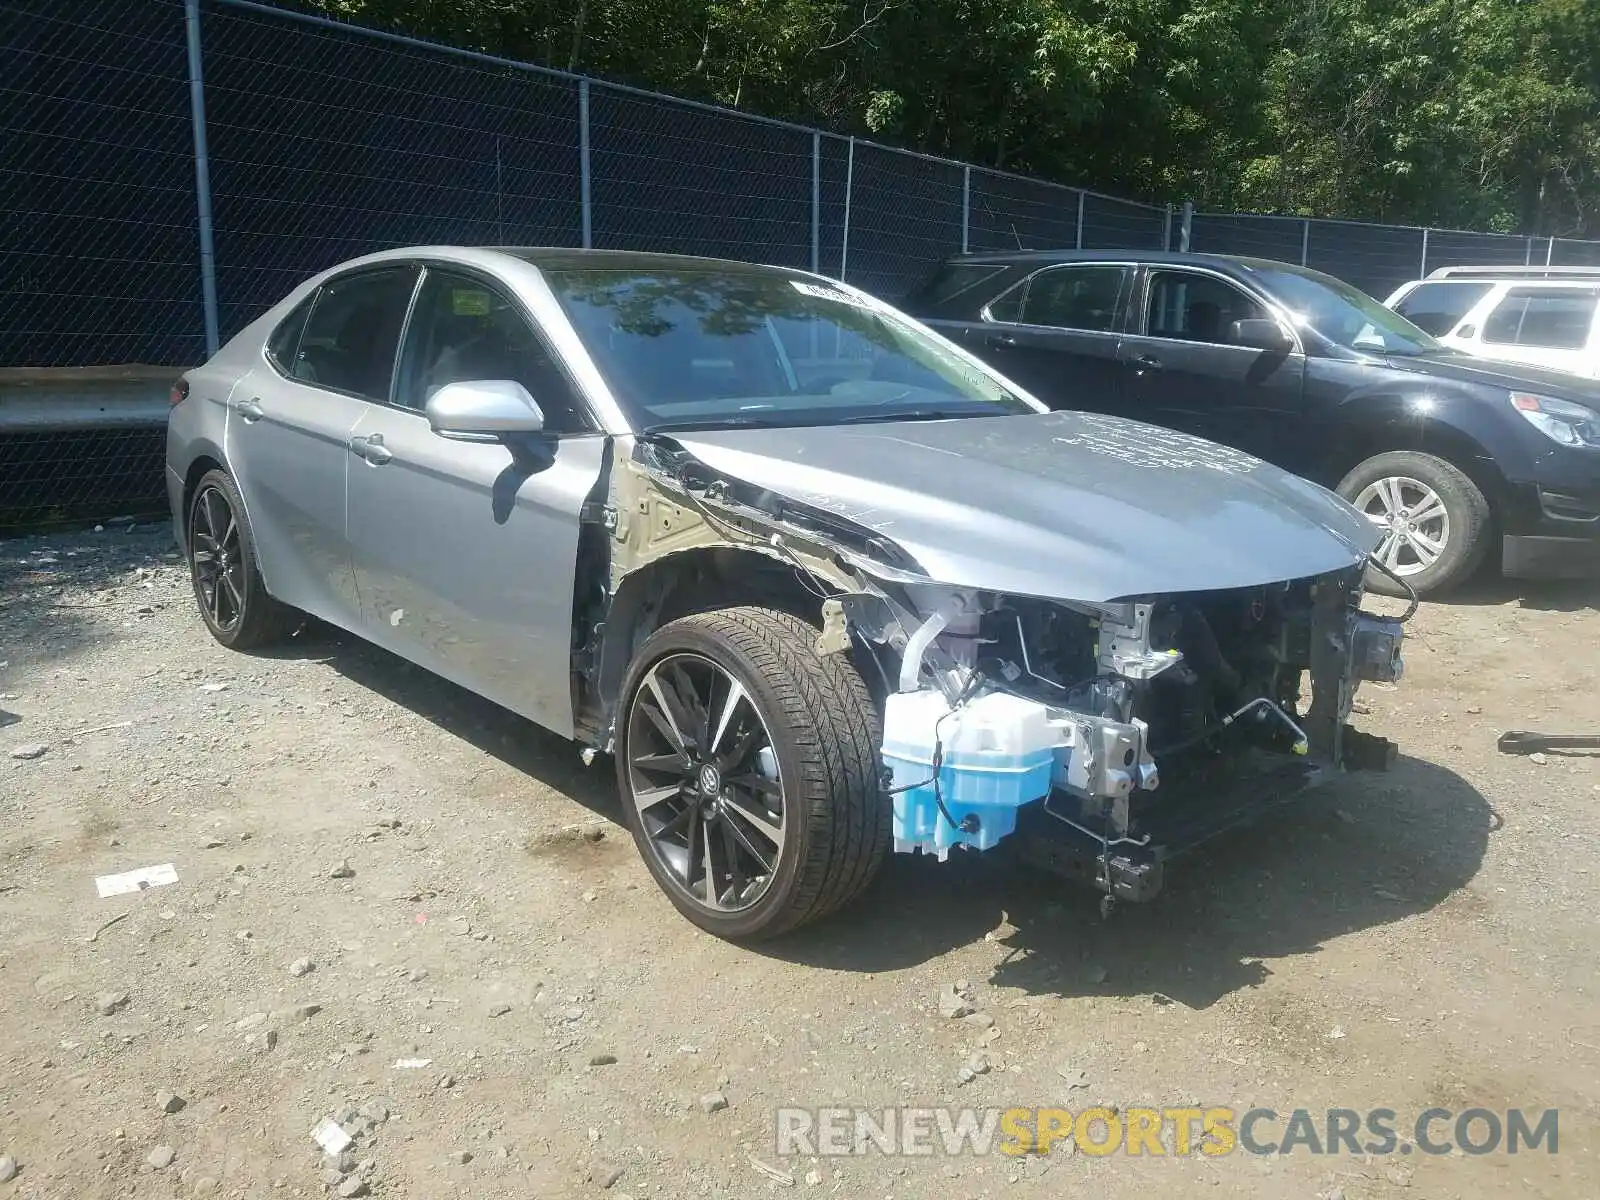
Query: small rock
x,y
375,1111
387,822
447,1081
978,1064
573,1014
342,870
344,1162
602,1060
1140,1048
169,1102
713,1102
266,1040
953,1005
332,1178
813,1178
461,1157
1075,1077
978,1020
593,834
499,1010
1336,1033
965,1074
213,687
590,896
1536,757
1338,1192
8,1168
353,1186
1474,709
295,1015
605,1174
301,967
161,1157
212,843
29,750
107,1003
417,974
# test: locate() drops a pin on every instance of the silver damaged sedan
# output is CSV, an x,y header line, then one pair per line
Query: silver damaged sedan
x,y
821,583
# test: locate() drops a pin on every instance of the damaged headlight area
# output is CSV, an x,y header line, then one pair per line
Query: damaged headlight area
x,y
1114,736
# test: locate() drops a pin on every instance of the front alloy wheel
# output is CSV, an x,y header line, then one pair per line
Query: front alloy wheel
x,y
748,769
1432,521
1414,522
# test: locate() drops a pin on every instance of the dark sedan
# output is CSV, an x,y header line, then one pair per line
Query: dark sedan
x,y
1454,458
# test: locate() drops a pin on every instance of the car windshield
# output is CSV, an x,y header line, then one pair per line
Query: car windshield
x,y
706,348
1343,314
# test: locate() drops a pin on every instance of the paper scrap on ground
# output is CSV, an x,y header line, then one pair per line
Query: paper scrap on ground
x,y
412,1064
135,881
330,1137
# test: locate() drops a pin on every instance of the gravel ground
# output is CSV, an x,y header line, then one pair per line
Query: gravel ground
x,y
376,869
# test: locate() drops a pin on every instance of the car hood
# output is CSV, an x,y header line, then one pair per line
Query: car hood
x,y
1464,368
1064,505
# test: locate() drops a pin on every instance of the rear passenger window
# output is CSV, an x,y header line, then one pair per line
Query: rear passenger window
x,y
1437,308
1550,318
353,331
1088,297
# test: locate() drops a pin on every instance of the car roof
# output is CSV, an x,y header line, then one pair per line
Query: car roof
x,y
572,258
1169,257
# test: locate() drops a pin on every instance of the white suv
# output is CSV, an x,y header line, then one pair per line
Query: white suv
x,y
1543,316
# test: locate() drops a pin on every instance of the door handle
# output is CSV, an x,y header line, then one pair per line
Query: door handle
x,y
249,410
371,448
1147,362
1002,341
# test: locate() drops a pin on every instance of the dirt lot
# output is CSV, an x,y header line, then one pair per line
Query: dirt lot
x,y
1425,938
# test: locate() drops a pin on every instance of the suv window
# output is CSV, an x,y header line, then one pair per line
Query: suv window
x,y
951,281
1085,296
1553,318
353,330
1437,308
463,329
1197,308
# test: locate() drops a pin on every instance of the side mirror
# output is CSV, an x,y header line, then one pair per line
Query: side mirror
x,y
1261,333
483,410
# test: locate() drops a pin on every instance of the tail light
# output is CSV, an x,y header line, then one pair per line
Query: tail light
x,y
179,393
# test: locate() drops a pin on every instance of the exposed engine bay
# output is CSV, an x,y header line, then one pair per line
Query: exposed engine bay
x,y
1101,736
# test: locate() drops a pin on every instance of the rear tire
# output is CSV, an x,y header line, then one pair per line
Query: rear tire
x,y
233,600
1435,521
748,770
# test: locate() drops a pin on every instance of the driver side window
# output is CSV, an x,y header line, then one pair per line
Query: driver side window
x,y
463,329
1197,308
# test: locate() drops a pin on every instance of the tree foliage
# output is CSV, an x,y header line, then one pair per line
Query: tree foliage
x,y
1477,113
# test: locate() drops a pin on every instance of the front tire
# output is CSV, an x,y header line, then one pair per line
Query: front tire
x,y
748,770
233,600
1434,521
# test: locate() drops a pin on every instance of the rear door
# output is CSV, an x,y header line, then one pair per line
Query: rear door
x,y
290,419
466,551
1544,326
1185,371
1057,334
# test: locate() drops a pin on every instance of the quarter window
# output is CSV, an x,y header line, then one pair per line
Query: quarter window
x,y
1197,308
1550,318
463,330
283,347
353,330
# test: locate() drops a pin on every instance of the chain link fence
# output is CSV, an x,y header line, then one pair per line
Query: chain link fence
x,y
173,167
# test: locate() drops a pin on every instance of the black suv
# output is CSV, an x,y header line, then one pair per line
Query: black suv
x,y
1446,453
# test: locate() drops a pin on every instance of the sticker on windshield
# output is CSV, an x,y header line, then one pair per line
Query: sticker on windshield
x,y
469,302
823,292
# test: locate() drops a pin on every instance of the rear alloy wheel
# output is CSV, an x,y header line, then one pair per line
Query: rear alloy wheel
x,y
233,601
1433,522
747,767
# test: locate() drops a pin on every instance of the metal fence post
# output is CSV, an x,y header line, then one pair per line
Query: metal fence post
x,y
1422,272
585,179
1078,244
1166,229
1305,242
966,208
202,174
1550,251
816,204
1186,227
1527,258
849,186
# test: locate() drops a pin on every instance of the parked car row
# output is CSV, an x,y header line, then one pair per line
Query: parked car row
x,y
1453,457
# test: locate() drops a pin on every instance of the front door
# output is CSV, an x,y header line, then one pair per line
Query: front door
x,y
1185,372
466,552
289,421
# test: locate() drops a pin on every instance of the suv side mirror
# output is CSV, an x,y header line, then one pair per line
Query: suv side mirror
x,y
483,410
1262,333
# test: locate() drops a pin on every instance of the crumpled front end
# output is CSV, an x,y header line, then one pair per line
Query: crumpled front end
x,y
1101,737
